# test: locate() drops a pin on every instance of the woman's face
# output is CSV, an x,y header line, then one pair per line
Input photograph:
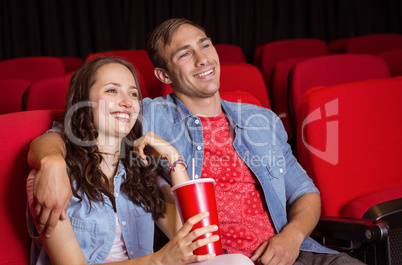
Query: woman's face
x,y
115,93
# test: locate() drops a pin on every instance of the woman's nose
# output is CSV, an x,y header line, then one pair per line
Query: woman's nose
x,y
125,101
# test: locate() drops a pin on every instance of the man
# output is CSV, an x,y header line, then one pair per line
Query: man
x,y
267,205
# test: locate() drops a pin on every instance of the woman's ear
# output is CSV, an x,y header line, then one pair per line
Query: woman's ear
x,y
162,75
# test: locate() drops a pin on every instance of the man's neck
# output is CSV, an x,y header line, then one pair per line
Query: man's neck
x,y
205,107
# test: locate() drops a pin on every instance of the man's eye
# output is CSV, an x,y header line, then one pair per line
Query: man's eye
x,y
184,55
206,46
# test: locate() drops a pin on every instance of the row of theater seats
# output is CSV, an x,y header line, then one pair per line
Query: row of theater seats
x,y
17,75
281,62
348,141
274,60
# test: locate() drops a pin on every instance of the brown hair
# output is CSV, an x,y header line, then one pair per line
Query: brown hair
x,y
141,185
162,36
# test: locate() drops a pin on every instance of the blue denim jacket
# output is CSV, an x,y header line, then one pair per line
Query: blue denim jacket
x,y
260,140
96,230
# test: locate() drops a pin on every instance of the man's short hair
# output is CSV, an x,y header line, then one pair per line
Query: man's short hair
x,y
162,36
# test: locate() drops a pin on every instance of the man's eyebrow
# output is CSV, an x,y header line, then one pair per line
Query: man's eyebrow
x,y
188,46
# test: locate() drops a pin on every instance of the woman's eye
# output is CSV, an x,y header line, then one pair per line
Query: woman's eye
x,y
134,94
112,90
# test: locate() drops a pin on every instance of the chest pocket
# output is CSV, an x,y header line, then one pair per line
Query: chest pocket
x,y
145,229
276,172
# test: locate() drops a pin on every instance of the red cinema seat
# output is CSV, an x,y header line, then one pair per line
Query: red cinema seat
x,y
331,70
13,91
394,61
47,94
17,131
243,77
273,52
350,145
230,53
71,63
31,68
337,46
279,97
374,43
240,97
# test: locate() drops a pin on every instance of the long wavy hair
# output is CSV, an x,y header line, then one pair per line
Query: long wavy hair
x,y
83,157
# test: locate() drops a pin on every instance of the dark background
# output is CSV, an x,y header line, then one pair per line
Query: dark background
x,y
79,27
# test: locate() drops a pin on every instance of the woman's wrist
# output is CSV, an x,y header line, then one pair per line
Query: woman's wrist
x,y
179,163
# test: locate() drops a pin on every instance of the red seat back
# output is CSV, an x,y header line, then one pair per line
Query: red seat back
x,y
337,46
279,96
14,89
349,140
17,131
276,51
47,94
240,97
31,68
230,53
394,61
71,63
331,70
374,43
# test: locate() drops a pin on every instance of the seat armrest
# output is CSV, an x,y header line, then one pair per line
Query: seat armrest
x,y
352,229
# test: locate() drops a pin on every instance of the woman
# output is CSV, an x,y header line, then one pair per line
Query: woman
x,y
116,196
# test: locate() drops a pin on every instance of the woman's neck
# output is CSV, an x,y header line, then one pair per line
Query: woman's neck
x,y
110,154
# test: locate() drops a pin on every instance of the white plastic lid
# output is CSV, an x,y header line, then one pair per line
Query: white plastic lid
x,y
193,181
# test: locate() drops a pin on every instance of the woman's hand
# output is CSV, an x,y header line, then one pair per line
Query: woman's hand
x,y
159,148
179,250
154,146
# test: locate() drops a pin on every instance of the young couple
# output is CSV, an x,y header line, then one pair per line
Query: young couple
x,y
267,207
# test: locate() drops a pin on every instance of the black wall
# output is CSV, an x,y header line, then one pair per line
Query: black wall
x,y
79,27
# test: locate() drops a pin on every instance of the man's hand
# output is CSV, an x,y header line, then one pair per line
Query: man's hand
x,y
283,248
52,193
279,249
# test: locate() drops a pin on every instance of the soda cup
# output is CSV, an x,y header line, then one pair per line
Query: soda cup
x,y
196,196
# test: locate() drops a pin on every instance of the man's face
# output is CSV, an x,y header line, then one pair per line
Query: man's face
x,y
193,67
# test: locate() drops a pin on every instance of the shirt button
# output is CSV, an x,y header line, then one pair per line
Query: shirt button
x,y
116,195
281,170
197,121
196,176
131,253
123,223
198,148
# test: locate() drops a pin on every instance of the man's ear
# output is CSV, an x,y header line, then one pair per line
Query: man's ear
x,y
162,75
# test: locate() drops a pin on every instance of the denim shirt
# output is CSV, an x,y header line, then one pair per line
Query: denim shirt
x,y
259,139
95,230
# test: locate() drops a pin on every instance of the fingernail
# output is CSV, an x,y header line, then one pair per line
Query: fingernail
x,y
47,235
